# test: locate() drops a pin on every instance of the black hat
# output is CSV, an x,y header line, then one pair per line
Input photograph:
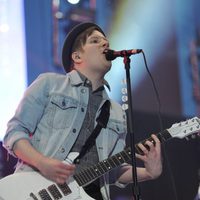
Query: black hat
x,y
70,39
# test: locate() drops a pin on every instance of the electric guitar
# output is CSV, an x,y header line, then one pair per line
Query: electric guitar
x,y
33,186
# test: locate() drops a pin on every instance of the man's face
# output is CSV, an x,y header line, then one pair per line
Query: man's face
x,y
93,53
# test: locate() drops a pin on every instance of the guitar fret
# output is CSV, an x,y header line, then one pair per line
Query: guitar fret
x,y
112,159
123,159
164,135
92,169
126,154
91,175
107,164
138,150
84,177
120,158
103,166
81,177
78,179
86,174
111,162
116,159
98,170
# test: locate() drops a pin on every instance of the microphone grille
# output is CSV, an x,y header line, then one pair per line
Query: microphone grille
x,y
110,55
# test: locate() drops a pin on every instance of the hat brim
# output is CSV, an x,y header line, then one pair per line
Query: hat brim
x,y
70,39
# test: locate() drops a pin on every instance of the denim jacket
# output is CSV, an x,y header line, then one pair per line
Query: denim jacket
x,y
50,116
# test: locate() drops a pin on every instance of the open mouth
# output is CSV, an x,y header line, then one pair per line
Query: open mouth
x,y
105,51
109,54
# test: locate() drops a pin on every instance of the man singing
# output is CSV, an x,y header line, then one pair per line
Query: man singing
x,y
58,113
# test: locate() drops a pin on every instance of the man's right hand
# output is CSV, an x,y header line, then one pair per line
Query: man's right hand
x,y
55,170
52,169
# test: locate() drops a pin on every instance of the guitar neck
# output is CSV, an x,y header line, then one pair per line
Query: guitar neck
x,y
91,173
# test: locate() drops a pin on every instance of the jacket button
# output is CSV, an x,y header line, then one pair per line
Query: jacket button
x,y
82,109
62,150
63,103
88,82
74,130
83,90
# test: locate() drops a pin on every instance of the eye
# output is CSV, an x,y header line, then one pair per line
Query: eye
x,y
95,40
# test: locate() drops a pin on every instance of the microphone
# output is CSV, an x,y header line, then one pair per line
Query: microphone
x,y
111,54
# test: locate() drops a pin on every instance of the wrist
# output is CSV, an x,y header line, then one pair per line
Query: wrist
x,y
147,175
154,174
39,162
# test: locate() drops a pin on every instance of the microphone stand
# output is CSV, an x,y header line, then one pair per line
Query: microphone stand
x,y
129,113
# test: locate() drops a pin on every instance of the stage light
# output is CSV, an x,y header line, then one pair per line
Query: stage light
x,y
13,59
73,1
4,28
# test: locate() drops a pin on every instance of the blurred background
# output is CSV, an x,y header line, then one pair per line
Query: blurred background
x,y
31,37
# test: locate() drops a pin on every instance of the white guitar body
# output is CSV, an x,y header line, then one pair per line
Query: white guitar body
x,y
27,186
20,185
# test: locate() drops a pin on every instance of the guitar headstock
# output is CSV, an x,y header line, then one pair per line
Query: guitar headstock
x,y
186,128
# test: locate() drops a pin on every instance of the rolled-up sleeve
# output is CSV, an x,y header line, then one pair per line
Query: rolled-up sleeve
x,y
28,113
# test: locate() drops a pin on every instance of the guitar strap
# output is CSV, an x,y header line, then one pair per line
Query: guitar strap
x,y
102,121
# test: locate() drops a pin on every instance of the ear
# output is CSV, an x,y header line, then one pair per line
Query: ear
x,y
76,57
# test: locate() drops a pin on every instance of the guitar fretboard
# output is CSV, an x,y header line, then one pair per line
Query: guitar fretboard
x,y
91,173
95,171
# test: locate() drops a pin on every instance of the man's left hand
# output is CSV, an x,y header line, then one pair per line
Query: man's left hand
x,y
152,157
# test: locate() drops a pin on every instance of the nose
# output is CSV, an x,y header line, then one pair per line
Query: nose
x,y
105,43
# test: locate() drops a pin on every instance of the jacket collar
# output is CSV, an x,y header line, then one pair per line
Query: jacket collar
x,y
76,80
